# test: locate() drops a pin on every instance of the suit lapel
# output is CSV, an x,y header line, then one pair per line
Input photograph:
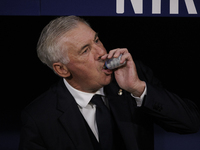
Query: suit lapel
x,y
72,119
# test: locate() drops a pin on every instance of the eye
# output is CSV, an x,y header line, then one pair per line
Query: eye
x,y
97,40
85,50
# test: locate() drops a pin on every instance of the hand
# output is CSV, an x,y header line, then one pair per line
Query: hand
x,y
126,76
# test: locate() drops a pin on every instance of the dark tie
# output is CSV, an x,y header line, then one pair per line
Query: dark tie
x,y
104,123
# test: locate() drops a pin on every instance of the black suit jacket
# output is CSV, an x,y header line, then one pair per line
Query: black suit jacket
x,y
54,122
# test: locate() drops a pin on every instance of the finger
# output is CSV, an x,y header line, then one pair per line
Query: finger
x,y
117,53
111,53
120,51
104,57
126,56
124,50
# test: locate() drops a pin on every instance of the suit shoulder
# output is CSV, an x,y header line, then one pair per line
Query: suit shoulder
x,y
146,74
43,102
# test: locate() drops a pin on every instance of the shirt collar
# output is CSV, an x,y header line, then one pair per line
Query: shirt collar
x,y
82,98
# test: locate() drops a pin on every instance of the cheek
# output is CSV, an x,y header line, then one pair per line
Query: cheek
x,y
87,67
81,69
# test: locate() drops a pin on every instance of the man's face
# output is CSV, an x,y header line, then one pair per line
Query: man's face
x,y
86,66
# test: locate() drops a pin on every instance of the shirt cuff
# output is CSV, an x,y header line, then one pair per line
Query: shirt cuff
x,y
140,99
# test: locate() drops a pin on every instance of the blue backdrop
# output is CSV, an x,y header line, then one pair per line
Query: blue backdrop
x,y
186,8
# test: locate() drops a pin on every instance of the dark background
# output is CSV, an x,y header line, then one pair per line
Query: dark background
x,y
169,46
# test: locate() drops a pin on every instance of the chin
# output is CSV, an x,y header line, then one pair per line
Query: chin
x,y
107,80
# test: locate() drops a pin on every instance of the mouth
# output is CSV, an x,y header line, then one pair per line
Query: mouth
x,y
106,70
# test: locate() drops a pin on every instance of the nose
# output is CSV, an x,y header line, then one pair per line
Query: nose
x,y
99,51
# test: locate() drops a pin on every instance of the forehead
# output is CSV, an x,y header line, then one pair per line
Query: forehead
x,y
80,35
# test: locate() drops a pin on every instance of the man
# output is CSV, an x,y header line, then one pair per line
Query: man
x,y
66,116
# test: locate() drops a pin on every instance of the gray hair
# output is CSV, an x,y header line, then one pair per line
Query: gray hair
x,y
49,47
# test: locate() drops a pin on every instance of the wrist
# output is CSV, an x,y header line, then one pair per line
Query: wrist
x,y
138,89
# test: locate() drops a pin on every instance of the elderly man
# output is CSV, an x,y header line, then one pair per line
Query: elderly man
x,y
93,108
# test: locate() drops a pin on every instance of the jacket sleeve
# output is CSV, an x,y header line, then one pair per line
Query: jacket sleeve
x,y
30,138
167,109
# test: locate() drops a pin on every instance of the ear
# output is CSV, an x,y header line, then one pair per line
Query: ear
x,y
61,70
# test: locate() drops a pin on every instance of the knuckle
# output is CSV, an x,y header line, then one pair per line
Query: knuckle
x,y
112,51
126,49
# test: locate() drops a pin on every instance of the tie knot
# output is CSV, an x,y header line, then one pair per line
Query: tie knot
x,y
97,100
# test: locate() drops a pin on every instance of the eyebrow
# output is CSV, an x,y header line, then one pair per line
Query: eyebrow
x,y
83,47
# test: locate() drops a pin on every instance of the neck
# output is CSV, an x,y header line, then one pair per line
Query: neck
x,y
82,88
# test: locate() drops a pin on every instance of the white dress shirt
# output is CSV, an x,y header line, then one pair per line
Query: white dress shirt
x,y
87,109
